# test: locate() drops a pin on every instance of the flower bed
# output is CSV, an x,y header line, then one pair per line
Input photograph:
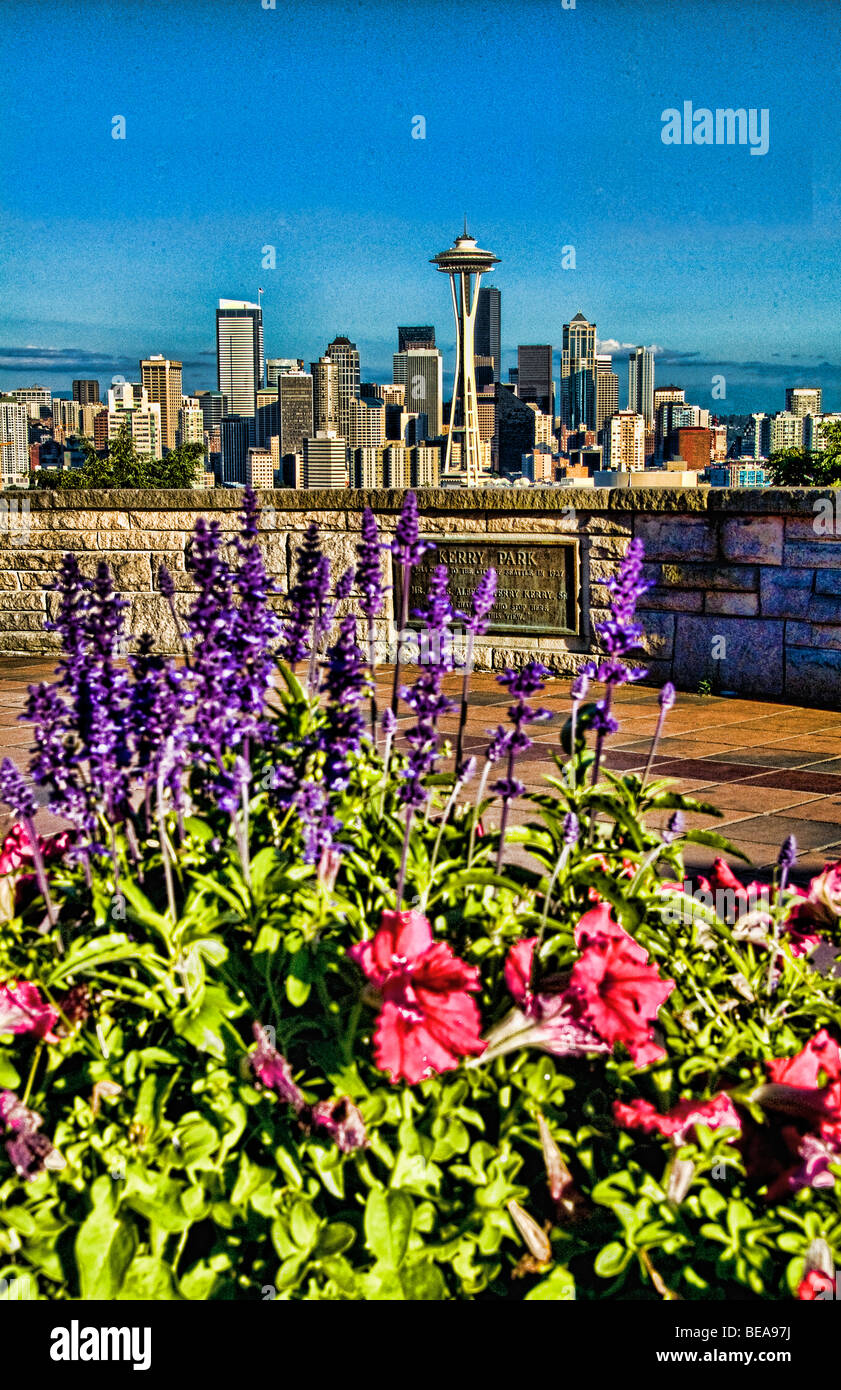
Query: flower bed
x,y
278,1017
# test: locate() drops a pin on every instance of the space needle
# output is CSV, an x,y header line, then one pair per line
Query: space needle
x,y
464,261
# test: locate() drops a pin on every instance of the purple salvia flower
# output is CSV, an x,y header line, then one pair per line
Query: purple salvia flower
x,y
570,829
344,586
786,860
675,827
166,583
484,596
256,627
369,582
667,696
408,549
389,723
305,597
345,685
580,687
15,791
318,826
369,574
521,684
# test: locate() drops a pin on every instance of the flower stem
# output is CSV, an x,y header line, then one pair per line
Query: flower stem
x,y
479,797
653,749
462,719
404,857
503,820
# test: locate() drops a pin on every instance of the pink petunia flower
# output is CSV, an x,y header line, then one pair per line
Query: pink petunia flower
x,y
22,1010
427,1022
718,1113
619,994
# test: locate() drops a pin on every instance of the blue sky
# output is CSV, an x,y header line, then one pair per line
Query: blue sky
x,y
291,127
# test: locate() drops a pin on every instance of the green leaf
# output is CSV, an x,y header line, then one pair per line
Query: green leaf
x,y
104,1246
388,1225
611,1260
423,1282
149,1280
559,1287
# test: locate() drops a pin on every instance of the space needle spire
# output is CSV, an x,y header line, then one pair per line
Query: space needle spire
x,y
465,263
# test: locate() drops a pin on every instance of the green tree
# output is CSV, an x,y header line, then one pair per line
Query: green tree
x,y
124,467
805,468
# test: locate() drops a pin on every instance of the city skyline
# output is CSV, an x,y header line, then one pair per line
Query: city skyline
x,y
725,262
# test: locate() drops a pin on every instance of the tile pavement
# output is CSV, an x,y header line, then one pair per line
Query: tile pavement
x,y
772,769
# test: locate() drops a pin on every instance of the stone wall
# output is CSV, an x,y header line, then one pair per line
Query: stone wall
x,y
746,575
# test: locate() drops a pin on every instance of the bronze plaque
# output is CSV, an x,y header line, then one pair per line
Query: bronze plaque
x,y
537,580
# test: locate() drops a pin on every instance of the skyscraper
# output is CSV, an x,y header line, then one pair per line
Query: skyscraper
x,y
325,462
239,355
534,376
86,392
14,442
578,374
422,336
803,400
624,442
641,383
366,423
607,391
276,366
325,395
488,341
294,391
345,356
161,380
421,372
465,263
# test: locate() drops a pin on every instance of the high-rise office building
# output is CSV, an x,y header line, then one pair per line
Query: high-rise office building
x,y
259,468
213,406
190,422
756,440
624,442
37,399
422,336
161,380
424,465
488,341
534,376
578,374
515,425
295,403
367,468
389,392
126,406
421,373
803,400
345,355
607,390
396,466
665,396
239,355
325,396
786,431
641,383
325,461
86,392
267,419
14,441
276,366
366,423
236,438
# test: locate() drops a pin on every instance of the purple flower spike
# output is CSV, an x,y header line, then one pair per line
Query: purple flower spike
x,y
305,597
344,586
571,829
484,596
369,575
388,723
15,791
579,688
667,696
407,547
346,685
166,583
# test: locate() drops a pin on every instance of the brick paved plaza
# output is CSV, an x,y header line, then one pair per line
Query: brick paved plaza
x,y
772,769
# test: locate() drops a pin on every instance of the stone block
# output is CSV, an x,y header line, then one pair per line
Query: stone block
x,y
812,554
744,605
21,602
828,582
676,600
753,538
750,659
741,578
34,643
675,537
784,593
813,676
813,635
658,637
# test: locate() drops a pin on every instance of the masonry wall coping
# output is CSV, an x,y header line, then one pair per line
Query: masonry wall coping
x,y
788,501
